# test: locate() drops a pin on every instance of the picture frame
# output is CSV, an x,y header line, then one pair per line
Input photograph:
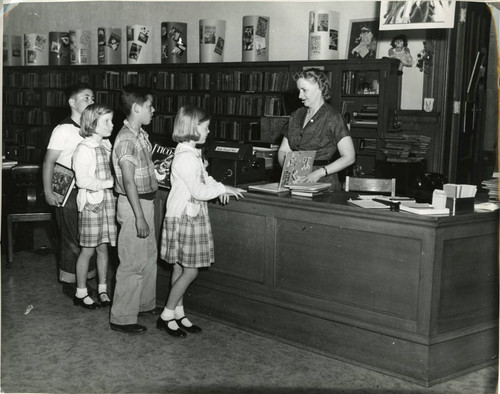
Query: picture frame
x,y
363,39
411,15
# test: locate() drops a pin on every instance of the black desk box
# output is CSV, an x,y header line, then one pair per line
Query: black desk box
x,y
234,164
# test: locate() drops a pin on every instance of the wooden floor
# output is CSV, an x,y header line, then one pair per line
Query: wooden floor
x,y
49,345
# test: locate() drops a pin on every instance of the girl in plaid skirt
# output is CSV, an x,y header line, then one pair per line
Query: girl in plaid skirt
x,y
186,240
95,201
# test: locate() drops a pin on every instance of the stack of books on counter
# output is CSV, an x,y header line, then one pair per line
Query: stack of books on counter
x,y
309,189
492,185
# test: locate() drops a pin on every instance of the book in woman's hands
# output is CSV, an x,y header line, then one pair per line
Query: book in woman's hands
x,y
296,167
63,181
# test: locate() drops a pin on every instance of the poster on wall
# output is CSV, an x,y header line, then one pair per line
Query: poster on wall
x,y
363,39
410,15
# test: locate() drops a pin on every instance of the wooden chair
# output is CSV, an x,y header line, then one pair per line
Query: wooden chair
x,y
25,203
372,185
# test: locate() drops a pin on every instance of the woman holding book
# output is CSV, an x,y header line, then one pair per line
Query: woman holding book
x,y
320,127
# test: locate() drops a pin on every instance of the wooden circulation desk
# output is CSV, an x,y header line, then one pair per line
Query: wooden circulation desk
x,y
412,296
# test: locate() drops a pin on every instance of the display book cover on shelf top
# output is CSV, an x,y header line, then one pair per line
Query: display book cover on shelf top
x,y
297,165
63,181
162,157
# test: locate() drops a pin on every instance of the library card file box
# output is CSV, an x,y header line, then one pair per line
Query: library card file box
x,y
234,164
460,205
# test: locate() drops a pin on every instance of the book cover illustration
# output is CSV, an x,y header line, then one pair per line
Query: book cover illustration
x,y
162,160
297,166
63,181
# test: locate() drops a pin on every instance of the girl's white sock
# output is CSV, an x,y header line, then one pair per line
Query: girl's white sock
x,y
179,314
83,293
168,314
103,288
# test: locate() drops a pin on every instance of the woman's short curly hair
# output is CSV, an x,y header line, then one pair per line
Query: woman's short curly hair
x,y
315,75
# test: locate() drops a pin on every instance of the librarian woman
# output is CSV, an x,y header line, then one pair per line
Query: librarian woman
x,y
320,127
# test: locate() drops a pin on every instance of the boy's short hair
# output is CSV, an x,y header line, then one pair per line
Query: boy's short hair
x,y
73,90
186,123
90,116
134,94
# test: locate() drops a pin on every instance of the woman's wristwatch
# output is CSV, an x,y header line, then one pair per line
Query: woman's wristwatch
x,y
324,169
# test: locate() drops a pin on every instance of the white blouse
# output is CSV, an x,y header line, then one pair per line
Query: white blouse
x,y
84,166
185,178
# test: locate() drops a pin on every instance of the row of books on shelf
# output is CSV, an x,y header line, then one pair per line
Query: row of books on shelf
x,y
368,114
33,136
171,104
249,105
23,116
162,125
56,80
254,81
160,80
165,80
405,148
27,154
55,98
22,97
236,131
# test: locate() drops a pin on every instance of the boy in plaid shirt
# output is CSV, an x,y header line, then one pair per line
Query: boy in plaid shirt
x,y
136,186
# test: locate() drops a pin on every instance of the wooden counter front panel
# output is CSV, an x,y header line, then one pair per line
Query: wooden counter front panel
x,y
341,264
239,239
469,281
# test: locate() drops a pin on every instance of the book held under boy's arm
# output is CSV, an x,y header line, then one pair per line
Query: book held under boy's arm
x,y
63,181
162,157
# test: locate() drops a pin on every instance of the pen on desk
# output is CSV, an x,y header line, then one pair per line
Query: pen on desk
x,y
393,205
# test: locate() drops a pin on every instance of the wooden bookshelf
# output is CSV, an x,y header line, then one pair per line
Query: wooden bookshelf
x,y
369,93
236,95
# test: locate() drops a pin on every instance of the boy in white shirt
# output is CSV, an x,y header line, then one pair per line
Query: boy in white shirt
x,y
62,144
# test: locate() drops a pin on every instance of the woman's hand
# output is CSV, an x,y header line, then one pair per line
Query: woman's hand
x,y
315,176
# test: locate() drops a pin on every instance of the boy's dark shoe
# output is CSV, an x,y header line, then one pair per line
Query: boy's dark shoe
x,y
128,328
152,312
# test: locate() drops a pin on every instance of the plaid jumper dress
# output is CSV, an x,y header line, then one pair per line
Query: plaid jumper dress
x,y
188,240
97,222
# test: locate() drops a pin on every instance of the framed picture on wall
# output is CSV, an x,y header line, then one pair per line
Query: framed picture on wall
x,y
410,15
363,39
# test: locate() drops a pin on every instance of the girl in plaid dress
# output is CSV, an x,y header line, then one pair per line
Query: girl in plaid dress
x,y
95,201
186,240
